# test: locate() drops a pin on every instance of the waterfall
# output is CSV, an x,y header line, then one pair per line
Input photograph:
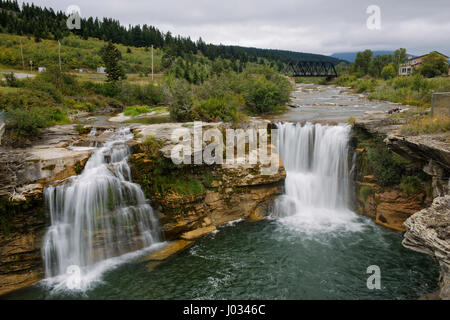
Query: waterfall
x,y
99,215
317,183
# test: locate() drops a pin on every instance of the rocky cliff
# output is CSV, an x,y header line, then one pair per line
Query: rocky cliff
x,y
190,199
422,163
428,231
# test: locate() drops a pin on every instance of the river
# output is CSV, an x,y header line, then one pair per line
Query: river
x,y
311,247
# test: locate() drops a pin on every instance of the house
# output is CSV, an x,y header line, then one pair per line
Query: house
x,y
42,69
414,62
101,70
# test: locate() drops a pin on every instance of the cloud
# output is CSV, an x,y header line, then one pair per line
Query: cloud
x,y
320,26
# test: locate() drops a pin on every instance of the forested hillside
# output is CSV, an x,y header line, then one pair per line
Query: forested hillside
x,y
44,23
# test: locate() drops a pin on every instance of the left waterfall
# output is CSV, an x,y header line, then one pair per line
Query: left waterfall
x,y
99,216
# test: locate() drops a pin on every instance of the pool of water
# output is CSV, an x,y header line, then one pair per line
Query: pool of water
x,y
271,259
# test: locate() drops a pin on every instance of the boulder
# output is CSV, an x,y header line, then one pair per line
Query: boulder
x,y
197,233
168,251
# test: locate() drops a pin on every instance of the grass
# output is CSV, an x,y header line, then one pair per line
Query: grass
x,y
182,186
76,53
351,121
411,185
365,192
133,111
415,90
426,125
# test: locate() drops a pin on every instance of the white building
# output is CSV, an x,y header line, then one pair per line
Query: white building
x,y
407,69
101,70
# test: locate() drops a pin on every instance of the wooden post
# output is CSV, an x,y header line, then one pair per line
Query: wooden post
x,y
21,53
432,104
59,54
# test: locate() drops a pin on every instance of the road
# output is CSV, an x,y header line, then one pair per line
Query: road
x,y
19,75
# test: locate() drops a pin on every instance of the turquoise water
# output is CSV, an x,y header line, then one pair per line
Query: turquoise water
x,y
271,260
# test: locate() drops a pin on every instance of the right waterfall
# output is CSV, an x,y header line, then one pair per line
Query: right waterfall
x,y
317,193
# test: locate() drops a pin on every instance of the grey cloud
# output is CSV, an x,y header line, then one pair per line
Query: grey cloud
x,y
321,26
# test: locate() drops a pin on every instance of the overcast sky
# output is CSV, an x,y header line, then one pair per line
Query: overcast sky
x,y
317,26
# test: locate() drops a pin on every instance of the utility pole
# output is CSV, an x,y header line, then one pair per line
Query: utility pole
x,y
21,53
59,54
152,62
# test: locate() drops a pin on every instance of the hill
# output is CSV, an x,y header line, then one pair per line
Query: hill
x,y
45,23
350,56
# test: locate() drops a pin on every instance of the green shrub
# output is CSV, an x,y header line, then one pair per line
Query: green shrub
x,y
151,146
388,72
180,100
351,121
81,129
28,111
411,185
346,80
40,84
219,109
150,94
11,80
363,85
111,89
28,122
386,170
365,192
262,95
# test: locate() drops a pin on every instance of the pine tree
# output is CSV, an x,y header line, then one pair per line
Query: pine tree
x,y
111,57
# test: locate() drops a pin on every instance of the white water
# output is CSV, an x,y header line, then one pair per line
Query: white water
x,y
98,218
316,195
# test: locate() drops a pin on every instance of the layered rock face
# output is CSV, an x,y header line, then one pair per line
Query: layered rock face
x,y
23,172
389,205
21,236
431,152
428,231
212,194
428,153
23,219
231,192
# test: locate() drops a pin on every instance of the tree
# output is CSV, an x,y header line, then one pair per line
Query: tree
x,y
362,62
378,63
111,57
434,65
399,57
180,100
343,68
388,72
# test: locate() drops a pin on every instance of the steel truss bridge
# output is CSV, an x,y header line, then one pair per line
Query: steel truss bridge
x,y
311,69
